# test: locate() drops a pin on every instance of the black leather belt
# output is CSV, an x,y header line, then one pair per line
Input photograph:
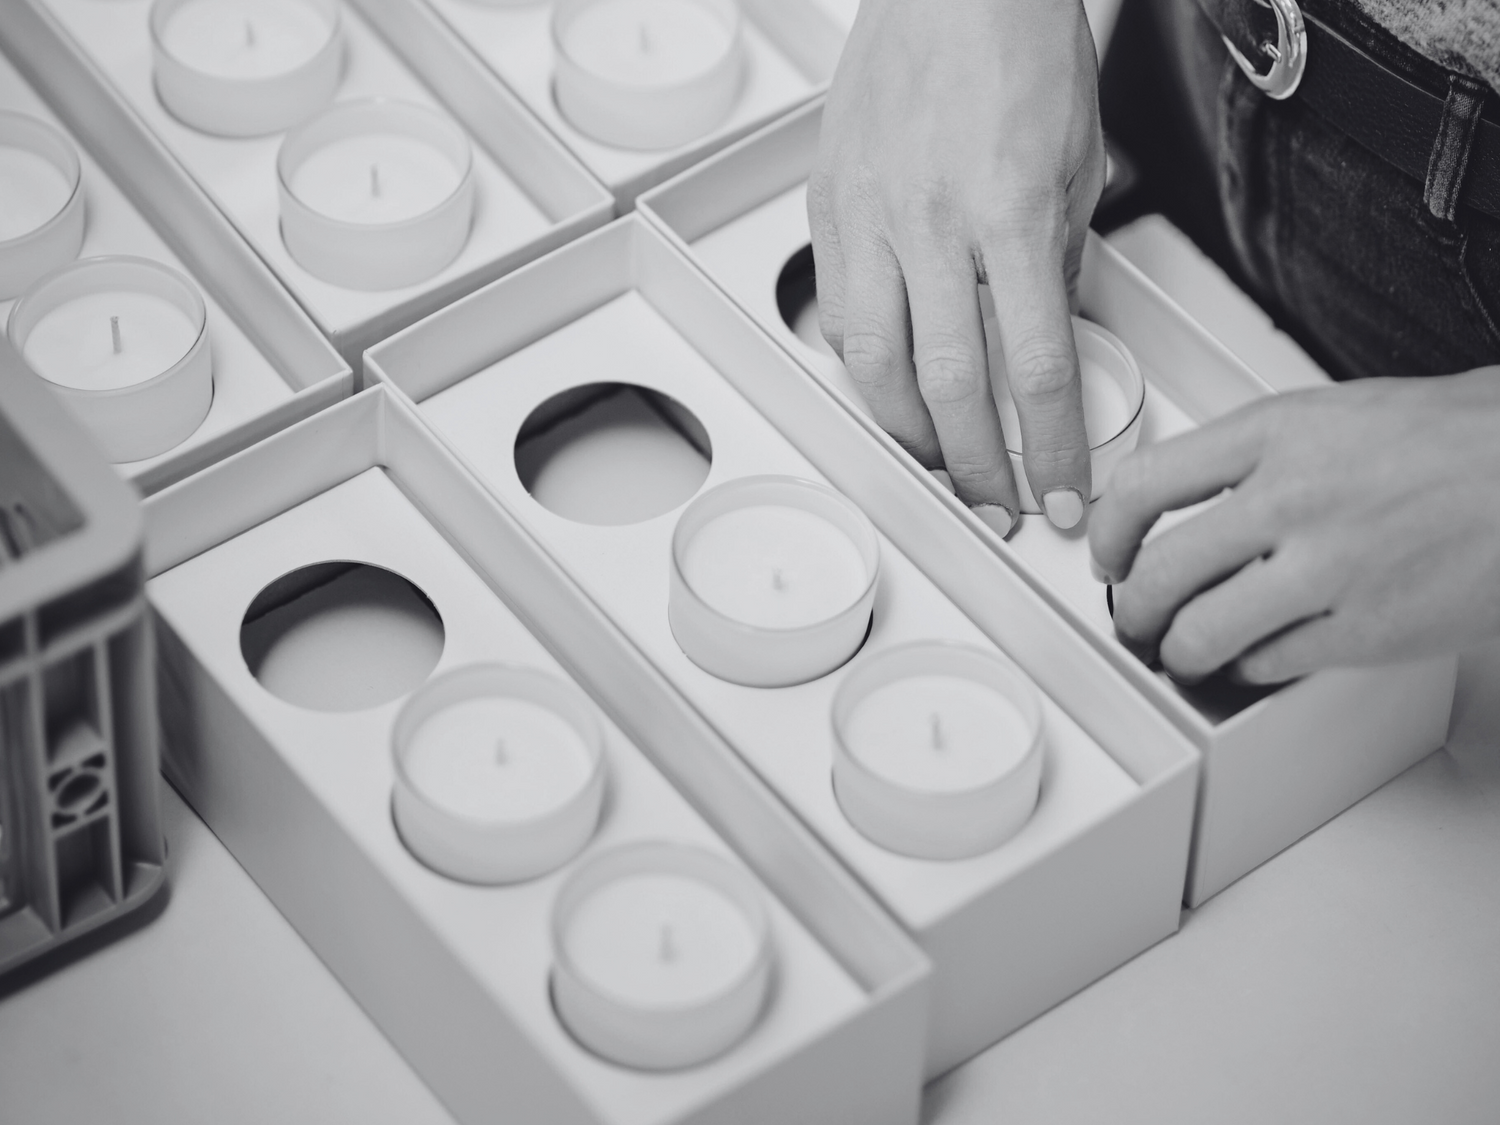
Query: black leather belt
x,y
1387,113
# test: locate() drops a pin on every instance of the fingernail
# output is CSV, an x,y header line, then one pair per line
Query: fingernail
x,y
1064,507
997,517
942,477
1099,573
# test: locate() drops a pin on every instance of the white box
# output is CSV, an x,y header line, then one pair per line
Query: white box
x,y
792,47
1094,877
1275,765
456,975
271,365
532,195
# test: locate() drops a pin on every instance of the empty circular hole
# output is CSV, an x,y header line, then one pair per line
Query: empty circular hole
x,y
341,636
612,454
797,300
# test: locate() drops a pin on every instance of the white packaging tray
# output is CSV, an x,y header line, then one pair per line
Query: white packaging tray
x,y
1096,874
792,47
271,366
531,195
1275,765
456,975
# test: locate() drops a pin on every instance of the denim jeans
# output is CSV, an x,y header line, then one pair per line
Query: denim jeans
x,y
1372,271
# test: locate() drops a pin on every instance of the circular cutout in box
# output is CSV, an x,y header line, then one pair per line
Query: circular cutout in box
x,y
341,636
797,302
612,453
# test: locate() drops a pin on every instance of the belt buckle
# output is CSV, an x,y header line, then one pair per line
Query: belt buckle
x,y
1288,54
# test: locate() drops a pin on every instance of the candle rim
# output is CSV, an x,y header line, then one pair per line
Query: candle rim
x,y
73,172
1136,391
731,880
870,559
355,105
854,690
330,10
565,11
199,315
475,681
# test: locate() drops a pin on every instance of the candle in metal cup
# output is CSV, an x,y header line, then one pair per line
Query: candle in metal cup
x,y
662,955
41,202
244,68
647,74
773,580
499,773
938,750
376,194
124,342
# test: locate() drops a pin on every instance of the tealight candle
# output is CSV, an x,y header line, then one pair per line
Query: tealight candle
x,y
773,580
662,955
376,194
41,202
647,74
938,750
124,342
499,773
245,68
1114,394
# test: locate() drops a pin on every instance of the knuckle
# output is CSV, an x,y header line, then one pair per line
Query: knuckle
x,y
867,352
1042,370
947,372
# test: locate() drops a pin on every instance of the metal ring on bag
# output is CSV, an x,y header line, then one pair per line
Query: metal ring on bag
x,y
1288,54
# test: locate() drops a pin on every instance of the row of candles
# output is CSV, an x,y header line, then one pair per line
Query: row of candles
x,y
375,194
640,74
662,955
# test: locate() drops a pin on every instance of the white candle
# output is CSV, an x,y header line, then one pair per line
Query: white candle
x,y
376,194
647,74
938,750
773,580
375,178
774,566
499,773
662,955
41,202
244,68
1113,395
124,342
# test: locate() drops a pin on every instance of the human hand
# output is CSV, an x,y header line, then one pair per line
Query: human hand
x,y
1363,527
961,145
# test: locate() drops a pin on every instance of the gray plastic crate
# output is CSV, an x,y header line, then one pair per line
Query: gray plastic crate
x,y
80,828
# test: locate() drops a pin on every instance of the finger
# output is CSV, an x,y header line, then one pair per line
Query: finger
x,y
877,349
1025,263
828,259
953,377
1297,651
1083,196
1221,623
1183,470
1179,564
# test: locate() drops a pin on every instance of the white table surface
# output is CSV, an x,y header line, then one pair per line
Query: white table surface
x,y
1353,978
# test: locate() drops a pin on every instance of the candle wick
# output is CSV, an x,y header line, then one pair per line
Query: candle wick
x,y
645,41
937,733
375,181
114,333
501,757
249,34
668,949
777,581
